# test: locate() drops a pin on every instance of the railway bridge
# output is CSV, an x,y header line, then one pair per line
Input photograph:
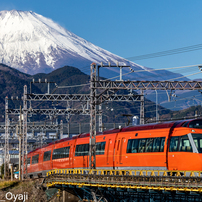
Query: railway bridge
x,y
127,185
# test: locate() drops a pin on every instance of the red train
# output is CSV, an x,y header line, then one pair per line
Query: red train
x,y
160,146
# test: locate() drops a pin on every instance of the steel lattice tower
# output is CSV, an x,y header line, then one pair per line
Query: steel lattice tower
x,y
6,146
24,139
92,143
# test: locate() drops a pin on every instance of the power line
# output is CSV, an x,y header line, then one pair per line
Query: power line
x,y
185,76
167,52
133,71
154,70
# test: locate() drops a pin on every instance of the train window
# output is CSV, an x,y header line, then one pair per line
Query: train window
x,y
162,144
198,141
100,148
47,156
156,145
61,153
146,145
35,159
196,124
149,145
142,144
185,124
82,150
129,146
78,150
185,145
85,149
132,146
174,144
28,161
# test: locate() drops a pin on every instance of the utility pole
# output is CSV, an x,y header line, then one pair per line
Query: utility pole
x,y
100,119
6,148
157,118
142,108
24,136
92,143
20,145
61,129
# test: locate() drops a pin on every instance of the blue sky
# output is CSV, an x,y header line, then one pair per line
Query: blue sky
x,y
129,28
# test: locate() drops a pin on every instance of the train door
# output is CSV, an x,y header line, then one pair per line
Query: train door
x,y
72,145
173,153
71,156
85,155
107,153
118,152
53,146
121,151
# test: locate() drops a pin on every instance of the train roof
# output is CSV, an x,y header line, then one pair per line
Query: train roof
x,y
169,124
152,126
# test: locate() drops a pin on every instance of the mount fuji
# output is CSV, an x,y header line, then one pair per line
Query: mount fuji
x,y
34,44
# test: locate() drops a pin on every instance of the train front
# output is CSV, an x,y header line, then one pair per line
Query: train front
x,y
185,148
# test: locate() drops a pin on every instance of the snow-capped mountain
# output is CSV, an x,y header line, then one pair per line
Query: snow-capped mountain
x,y
34,44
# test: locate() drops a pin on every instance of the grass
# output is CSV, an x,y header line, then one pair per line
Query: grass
x,y
4,184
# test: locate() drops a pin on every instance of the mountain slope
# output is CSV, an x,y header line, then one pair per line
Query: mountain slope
x,y
65,76
12,82
35,44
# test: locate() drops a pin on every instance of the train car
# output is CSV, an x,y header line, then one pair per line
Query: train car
x,y
173,145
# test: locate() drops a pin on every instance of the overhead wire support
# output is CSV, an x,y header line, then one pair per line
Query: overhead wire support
x,y
39,81
94,101
32,126
80,97
149,85
142,108
56,112
6,146
92,143
25,132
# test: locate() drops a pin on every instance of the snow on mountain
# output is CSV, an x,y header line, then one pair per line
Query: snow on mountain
x,y
34,44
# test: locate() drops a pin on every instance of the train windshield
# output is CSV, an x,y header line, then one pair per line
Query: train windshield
x,y
198,141
195,124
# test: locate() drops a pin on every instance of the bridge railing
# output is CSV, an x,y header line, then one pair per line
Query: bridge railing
x,y
131,179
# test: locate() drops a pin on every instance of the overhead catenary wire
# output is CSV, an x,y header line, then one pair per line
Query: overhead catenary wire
x,y
163,53
166,53
73,86
185,76
136,71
